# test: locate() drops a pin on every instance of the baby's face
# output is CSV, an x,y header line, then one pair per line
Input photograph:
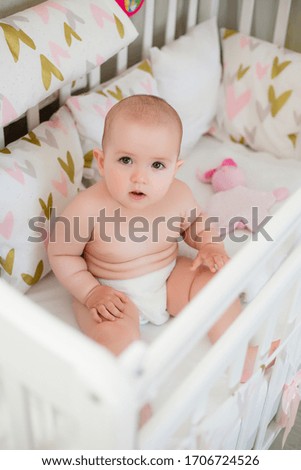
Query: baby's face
x,y
139,161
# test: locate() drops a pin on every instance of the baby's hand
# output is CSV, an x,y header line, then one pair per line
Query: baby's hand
x,y
106,302
211,255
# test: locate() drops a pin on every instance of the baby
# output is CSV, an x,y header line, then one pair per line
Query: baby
x,y
115,246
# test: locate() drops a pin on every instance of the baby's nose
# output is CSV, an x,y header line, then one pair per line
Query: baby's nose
x,y
139,176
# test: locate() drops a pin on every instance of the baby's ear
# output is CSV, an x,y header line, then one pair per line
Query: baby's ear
x,y
99,156
179,163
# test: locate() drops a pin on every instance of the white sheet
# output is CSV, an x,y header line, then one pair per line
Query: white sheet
x,y
263,171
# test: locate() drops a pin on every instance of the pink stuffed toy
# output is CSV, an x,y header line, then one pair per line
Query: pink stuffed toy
x,y
235,205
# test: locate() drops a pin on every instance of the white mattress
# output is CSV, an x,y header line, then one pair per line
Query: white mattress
x,y
263,171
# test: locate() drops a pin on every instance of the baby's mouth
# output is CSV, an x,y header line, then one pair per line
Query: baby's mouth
x,y
137,195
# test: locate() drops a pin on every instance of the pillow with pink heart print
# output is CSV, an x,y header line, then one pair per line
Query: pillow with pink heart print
x,y
260,96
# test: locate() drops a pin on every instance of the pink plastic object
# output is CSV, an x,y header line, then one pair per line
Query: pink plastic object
x,y
130,7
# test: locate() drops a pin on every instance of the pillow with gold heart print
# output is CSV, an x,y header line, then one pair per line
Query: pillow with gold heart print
x,y
39,175
260,98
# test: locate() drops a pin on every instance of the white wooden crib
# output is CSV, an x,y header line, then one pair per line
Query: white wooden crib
x,y
59,390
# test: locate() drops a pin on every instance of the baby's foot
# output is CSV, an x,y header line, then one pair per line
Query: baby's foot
x,y
249,364
145,414
251,358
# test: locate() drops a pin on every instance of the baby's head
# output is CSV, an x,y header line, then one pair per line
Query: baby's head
x,y
144,110
140,148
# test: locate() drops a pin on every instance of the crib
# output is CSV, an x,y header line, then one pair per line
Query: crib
x,y
60,390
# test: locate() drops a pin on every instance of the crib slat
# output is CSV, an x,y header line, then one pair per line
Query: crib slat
x,y
192,14
296,301
148,27
246,16
19,415
94,78
33,117
64,93
208,9
122,60
170,30
2,140
282,22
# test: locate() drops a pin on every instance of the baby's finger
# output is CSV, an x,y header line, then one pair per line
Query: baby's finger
x,y
119,304
111,307
122,296
102,310
197,262
95,315
211,264
220,261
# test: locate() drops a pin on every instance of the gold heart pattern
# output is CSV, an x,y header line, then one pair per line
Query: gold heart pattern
x,y
32,139
47,207
229,32
68,166
32,47
88,159
242,71
117,94
241,140
293,139
13,37
271,74
5,150
277,102
8,263
145,66
69,33
48,69
119,26
31,280
277,67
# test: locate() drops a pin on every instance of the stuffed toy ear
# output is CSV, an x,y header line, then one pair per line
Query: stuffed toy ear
x,y
205,177
228,162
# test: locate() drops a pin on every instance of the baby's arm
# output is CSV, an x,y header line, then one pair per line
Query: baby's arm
x,y
203,235
67,242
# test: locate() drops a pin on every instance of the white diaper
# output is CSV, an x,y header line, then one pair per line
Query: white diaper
x,y
148,292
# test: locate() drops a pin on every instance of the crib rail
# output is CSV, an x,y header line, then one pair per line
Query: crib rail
x,y
196,320
278,300
46,382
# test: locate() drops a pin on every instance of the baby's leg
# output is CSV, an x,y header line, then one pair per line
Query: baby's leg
x,y
115,335
183,284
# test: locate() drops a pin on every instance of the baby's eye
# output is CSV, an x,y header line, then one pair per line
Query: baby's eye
x,y
158,165
125,160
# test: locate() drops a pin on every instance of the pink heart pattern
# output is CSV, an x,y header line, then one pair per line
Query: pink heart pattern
x,y
235,104
16,173
244,41
43,12
9,113
147,85
100,15
6,227
261,70
103,110
57,52
249,103
61,185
